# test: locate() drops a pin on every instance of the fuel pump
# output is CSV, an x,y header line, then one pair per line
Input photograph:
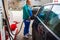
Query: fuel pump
x,y
10,34
2,31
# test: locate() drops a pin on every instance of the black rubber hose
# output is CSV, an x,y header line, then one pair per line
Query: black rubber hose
x,y
20,28
8,27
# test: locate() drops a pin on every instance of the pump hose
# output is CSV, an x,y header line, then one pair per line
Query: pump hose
x,y
8,26
20,28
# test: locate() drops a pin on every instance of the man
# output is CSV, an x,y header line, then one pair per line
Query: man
x,y
27,13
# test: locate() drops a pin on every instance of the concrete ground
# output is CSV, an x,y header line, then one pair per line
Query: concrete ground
x,y
20,36
17,16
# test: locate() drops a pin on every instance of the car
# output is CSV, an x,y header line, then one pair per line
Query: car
x,y
46,24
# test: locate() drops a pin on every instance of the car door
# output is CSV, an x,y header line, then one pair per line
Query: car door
x,y
50,16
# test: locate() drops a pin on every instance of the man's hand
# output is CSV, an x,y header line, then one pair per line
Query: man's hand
x,y
32,17
29,18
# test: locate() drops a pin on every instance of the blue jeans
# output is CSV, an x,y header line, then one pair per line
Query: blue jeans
x,y
26,28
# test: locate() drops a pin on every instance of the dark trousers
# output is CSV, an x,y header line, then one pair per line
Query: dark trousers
x,y
26,28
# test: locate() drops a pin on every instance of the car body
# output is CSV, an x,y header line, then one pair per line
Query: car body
x,y
46,25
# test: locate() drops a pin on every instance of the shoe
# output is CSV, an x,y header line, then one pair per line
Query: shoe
x,y
26,36
29,34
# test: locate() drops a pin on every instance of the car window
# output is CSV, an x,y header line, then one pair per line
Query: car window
x,y
51,17
56,26
56,9
43,10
